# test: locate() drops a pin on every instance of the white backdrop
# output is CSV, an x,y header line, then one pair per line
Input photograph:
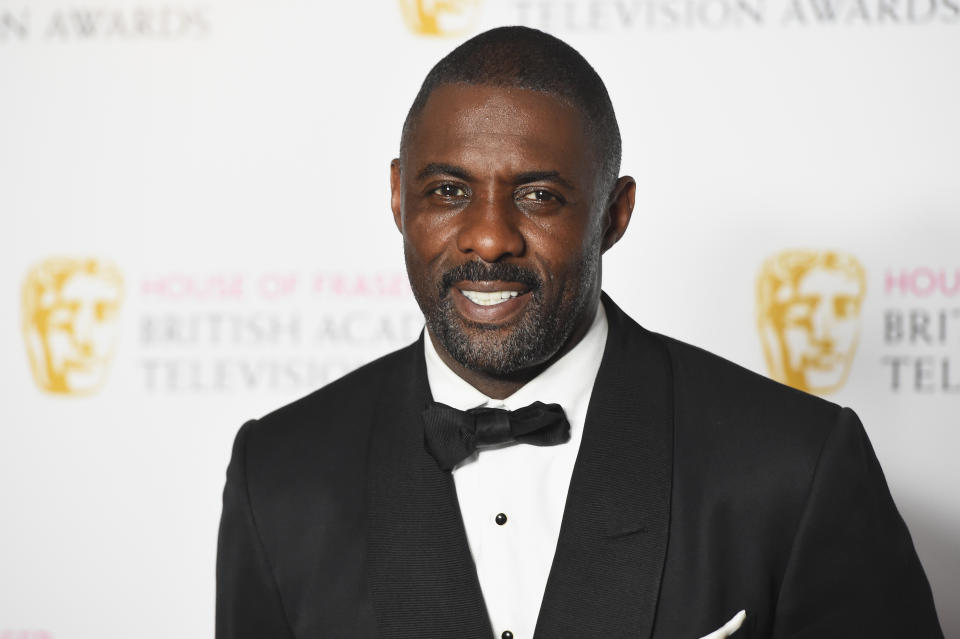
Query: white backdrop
x,y
212,178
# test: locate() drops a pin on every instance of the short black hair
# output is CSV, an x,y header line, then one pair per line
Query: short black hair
x,y
525,58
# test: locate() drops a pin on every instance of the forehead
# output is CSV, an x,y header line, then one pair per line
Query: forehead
x,y
490,128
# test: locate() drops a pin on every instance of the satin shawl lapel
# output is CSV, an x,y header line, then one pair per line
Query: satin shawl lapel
x,y
605,578
422,579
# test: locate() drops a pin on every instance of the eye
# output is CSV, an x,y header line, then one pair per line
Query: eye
x,y
449,190
539,195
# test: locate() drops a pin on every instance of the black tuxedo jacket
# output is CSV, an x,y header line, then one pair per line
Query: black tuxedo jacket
x,y
700,489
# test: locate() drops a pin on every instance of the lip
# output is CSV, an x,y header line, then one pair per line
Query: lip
x,y
488,286
496,313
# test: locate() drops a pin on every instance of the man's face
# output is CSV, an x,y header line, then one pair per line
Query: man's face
x,y
504,218
820,327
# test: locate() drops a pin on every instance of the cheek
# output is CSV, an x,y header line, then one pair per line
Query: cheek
x,y
567,254
427,236
422,255
420,258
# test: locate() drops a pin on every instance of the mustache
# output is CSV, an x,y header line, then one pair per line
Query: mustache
x,y
479,271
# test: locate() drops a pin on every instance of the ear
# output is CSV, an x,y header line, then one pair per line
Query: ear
x,y
619,210
396,196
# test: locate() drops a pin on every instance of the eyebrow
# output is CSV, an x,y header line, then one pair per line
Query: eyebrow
x,y
544,176
439,168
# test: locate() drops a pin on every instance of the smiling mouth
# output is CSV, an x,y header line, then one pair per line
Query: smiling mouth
x,y
489,298
490,302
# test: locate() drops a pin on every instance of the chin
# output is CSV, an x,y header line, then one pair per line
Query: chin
x,y
499,350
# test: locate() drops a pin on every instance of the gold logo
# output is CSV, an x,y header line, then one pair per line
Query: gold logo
x,y
70,313
808,314
440,17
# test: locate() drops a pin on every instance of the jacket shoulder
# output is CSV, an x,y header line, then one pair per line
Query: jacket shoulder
x,y
328,424
727,389
358,385
727,414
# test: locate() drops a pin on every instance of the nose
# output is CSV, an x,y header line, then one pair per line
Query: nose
x,y
490,230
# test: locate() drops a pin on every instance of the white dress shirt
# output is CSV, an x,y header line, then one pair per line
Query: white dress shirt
x,y
526,484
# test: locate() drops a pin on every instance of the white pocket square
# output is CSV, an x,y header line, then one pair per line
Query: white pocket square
x,y
728,628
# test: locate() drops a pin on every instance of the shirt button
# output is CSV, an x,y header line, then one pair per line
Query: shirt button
x,y
501,519
506,634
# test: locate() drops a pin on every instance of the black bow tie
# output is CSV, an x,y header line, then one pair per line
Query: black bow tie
x,y
452,435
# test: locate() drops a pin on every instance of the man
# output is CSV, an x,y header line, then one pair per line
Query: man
x,y
667,493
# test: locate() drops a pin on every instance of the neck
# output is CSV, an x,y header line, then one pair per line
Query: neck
x,y
503,386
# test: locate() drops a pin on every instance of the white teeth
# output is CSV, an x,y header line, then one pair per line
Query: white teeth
x,y
488,299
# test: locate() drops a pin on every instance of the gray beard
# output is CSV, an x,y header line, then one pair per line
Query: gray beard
x,y
534,339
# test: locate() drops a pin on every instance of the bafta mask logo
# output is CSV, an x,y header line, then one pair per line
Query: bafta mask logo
x,y
70,313
808,314
440,17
